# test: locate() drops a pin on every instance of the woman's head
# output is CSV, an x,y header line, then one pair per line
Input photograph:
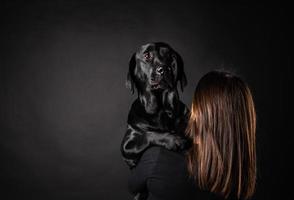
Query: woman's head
x,y
222,126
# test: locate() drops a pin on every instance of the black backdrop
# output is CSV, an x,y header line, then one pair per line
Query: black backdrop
x,y
64,103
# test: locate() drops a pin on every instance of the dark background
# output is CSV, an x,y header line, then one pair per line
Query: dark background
x,y
64,104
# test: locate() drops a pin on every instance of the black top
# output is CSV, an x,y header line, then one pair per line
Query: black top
x,y
164,175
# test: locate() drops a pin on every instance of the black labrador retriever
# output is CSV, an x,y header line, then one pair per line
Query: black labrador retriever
x,y
157,116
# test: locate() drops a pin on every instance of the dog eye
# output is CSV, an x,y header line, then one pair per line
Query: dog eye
x,y
147,56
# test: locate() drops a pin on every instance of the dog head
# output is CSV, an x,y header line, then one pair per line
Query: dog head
x,y
155,67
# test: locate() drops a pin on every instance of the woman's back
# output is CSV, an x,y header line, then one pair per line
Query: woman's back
x,y
164,174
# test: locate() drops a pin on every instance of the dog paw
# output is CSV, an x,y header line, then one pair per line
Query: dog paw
x,y
181,143
176,143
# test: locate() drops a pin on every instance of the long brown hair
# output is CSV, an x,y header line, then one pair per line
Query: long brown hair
x,y
222,127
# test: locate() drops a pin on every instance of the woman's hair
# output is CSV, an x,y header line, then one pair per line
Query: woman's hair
x,y
222,127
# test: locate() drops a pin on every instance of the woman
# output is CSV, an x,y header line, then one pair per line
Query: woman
x,y
222,160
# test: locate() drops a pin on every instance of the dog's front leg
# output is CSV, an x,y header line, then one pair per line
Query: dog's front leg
x,y
167,140
133,145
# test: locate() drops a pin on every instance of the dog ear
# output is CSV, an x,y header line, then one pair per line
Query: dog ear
x,y
130,82
180,73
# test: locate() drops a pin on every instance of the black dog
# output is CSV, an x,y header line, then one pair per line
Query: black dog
x,y
157,116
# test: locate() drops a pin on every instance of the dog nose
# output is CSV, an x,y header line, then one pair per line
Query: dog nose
x,y
159,70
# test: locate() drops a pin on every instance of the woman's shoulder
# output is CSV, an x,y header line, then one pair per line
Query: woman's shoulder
x,y
157,153
151,153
